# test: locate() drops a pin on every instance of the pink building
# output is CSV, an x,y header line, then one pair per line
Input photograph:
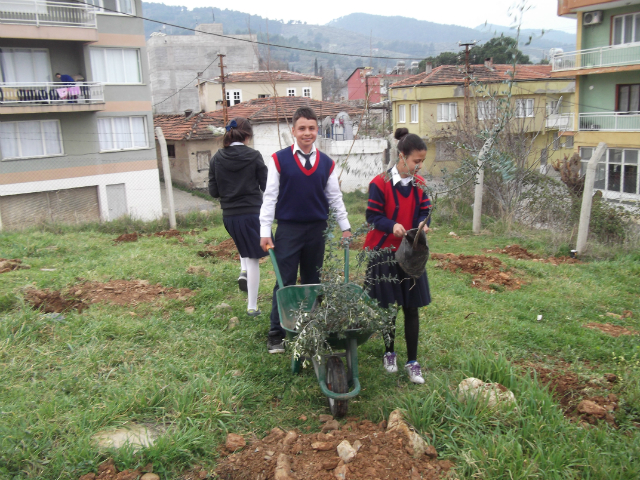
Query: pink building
x,y
361,82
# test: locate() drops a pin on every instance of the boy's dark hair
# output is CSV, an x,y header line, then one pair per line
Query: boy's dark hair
x,y
408,142
237,132
304,112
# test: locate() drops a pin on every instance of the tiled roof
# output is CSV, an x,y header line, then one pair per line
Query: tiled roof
x,y
455,75
266,76
261,110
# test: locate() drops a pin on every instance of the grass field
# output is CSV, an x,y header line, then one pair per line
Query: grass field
x,y
193,378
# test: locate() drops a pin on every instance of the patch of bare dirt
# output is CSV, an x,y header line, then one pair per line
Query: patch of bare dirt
x,y
8,265
127,237
521,253
613,330
119,292
225,250
177,234
293,456
489,273
108,471
572,393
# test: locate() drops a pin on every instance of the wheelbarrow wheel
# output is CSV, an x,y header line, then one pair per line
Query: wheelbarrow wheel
x,y
337,383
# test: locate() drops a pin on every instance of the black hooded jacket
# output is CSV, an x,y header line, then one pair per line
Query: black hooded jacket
x,y
238,176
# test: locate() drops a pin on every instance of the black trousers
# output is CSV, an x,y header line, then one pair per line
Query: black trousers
x,y
411,332
296,245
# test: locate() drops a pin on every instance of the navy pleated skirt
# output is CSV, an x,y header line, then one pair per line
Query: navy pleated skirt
x,y
406,291
245,231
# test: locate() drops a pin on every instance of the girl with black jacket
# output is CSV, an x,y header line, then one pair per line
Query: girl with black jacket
x,y
238,176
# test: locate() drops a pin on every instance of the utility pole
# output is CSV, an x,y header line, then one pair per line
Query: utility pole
x,y
365,73
224,91
166,170
466,46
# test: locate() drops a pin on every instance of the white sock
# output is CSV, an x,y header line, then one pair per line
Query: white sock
x,y
243,264
253,282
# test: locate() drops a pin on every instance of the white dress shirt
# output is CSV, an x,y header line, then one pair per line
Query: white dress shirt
x,y
395,177
272,190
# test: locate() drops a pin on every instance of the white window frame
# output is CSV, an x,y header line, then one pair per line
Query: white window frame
x,y
146,134
402,115
568,141
525,108
237,97
99,4
602,169
44,146
414,112
451,110
291,92
12,50
634,18
306,92
103,49
487,110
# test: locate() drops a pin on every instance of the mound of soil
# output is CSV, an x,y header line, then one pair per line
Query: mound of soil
x,y
127,237
613,330
119,292
570,391
383,455
225,250
488,273
108,471
133,237
520,253
8,265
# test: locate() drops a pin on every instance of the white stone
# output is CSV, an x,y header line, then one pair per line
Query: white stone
x,y
137,436
346,452
492,393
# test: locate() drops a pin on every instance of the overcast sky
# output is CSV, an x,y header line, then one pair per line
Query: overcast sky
x,y
468,13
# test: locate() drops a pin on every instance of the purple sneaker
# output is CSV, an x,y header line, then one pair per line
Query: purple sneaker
x,y
414,372
389,360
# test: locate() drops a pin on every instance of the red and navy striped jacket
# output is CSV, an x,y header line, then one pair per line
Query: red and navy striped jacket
x,y
387,206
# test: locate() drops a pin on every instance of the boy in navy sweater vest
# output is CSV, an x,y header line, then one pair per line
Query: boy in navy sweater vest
x,y
301,187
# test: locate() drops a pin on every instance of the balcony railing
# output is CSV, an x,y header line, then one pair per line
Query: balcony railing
x,y
50,93
46,13
560,121
610,121
609,56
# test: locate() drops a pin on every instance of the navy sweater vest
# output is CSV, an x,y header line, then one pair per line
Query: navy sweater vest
x,y
301,197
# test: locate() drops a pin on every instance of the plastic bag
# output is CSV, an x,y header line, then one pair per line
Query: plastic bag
x,y
413,252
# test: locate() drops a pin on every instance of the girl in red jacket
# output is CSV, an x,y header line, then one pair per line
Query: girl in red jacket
x,y
397,203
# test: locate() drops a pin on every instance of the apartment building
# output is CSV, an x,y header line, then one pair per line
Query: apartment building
x,y
77,146
440,106
606,64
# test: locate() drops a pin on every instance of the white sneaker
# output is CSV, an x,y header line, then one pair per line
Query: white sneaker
x,y
414,372
389,360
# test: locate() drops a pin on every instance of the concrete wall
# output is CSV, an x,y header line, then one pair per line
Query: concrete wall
x,y
602,97
184,166
212,92
175,60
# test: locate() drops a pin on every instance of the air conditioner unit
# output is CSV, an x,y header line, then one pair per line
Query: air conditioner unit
x,y
592,18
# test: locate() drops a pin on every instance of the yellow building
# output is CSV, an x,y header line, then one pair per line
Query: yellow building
x,y
434,105
606,64
245,86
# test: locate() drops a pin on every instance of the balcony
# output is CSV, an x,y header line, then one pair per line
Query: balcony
x,y
50,97
560,121
601,57
610,122
47,19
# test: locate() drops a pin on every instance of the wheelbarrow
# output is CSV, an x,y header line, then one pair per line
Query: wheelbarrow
x,y
338,383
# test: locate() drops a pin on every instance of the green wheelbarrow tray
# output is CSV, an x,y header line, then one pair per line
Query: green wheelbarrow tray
x,y
291,299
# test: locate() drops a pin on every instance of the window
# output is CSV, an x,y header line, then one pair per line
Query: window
x,y
414,113
617,170
524,107
38,138
202,159
556,141
567,141
628,98
447,112
171,151
122,133
401,114
291,92
486,109
115,65
113,6
306,92
234,97
24,65
263,95
626,28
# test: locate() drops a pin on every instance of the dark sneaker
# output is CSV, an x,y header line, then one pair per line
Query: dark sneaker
x,y
275,344
254,312
242,281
